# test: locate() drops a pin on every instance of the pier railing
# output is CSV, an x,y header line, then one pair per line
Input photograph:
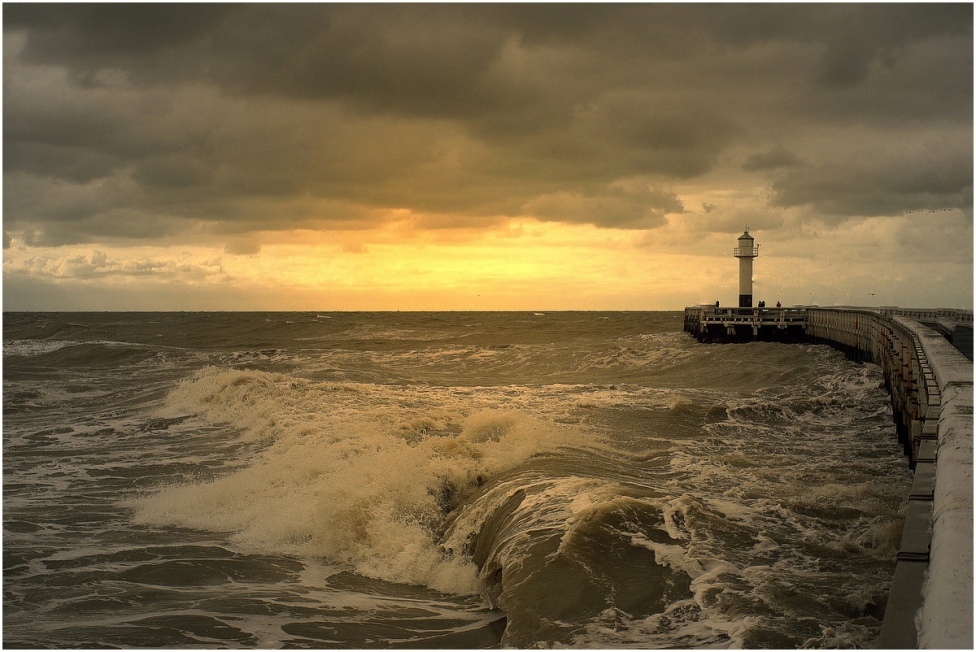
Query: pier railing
x,y
773,315
714,323
710,323
960,317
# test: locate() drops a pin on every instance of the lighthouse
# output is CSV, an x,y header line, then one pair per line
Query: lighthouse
x,y
745,252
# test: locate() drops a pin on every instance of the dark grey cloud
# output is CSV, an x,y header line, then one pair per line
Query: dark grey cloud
x,y
90,37
615,207
929,170
438,58
141,120
777,157
866,40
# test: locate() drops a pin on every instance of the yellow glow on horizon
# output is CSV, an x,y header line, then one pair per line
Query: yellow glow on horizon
x,y
510,265
517,265
526,265
425,262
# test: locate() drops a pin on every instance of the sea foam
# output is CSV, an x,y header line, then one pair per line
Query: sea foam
x,y
366,486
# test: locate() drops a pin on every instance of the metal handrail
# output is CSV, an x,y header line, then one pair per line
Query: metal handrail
x,y
749,314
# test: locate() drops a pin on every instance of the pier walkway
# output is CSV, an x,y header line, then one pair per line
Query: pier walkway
x,y
926,359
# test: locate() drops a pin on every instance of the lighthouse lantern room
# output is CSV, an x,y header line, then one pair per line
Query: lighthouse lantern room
x,y
745,252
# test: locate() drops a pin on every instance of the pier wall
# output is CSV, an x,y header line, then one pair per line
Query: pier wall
x,y
931,387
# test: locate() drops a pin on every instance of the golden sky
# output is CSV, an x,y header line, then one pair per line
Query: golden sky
x,y
455,156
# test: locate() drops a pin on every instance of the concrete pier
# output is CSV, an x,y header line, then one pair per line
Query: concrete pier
x,y
714,324
930,382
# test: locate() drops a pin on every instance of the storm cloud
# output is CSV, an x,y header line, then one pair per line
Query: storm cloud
x,y
254,116
221,125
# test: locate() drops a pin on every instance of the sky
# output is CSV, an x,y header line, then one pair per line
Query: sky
x,y
485,156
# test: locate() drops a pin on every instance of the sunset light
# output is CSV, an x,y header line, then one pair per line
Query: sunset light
x,y
548,157
463,326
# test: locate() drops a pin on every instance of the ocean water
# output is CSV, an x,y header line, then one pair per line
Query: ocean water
x,y
439,480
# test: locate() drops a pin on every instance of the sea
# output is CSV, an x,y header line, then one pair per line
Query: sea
x,y
439,480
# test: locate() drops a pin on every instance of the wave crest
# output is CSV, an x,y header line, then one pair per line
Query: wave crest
x,y
344,475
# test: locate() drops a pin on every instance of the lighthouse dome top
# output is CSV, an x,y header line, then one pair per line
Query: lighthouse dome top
x,y
746,236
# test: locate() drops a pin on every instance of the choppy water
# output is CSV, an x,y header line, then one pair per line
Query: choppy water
x,y
438,480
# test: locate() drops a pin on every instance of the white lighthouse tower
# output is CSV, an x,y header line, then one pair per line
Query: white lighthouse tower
x,y
745,252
